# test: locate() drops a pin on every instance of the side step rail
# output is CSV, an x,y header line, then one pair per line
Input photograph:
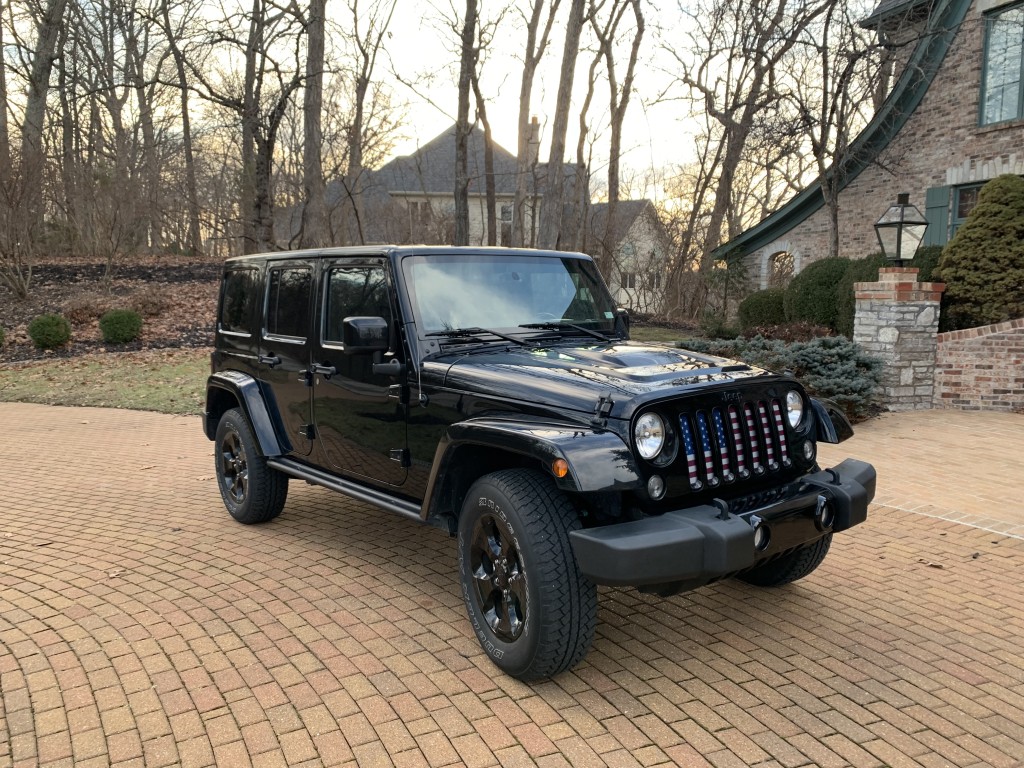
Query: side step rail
x,y
362,493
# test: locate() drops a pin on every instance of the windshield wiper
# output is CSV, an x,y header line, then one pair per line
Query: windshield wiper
x,y
563,326
471,335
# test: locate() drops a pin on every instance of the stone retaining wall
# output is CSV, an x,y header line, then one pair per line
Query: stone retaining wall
x,y
981,368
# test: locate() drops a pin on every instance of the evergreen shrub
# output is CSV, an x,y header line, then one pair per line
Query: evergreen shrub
x,y
927,262
983,265
811,295
2,336
832,367
119,326
762,308
50,331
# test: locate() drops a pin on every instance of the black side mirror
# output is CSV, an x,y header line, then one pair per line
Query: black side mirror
x,y
622,323
365,334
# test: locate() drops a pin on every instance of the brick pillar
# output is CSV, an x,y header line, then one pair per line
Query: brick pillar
x,y
897,320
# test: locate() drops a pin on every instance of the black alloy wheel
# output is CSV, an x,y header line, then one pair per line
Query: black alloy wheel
x,y
498,577
234,468
253,492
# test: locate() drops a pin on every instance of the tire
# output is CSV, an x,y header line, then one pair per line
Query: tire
x,y
252,491
789,567
531,609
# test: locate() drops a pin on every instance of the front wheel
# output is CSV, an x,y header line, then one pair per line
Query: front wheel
x,y
252,491
789,567
531,609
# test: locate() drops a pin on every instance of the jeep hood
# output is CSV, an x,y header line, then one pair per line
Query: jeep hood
x,y
575,377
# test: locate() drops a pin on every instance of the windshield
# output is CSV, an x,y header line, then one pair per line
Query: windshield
x,y
505,291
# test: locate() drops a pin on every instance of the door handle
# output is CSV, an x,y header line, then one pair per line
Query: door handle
x,y
270,360
324,370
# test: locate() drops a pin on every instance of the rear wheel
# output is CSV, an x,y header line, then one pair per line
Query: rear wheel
x,y
252,491
789,567
530,607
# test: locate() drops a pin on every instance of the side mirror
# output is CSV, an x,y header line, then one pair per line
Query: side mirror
x,y
622,323
365,334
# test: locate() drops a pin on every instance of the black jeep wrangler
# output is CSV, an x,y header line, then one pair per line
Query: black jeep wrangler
x,y
495,393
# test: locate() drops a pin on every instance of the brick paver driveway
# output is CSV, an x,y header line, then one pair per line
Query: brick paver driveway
x,y
139,625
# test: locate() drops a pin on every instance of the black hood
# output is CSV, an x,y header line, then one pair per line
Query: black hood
x,y
575,377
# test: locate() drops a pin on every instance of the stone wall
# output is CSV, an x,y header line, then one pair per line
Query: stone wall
x,y
940,144
981,368
896,321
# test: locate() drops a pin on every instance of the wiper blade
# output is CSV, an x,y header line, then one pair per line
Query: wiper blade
x,y
471,334
563,326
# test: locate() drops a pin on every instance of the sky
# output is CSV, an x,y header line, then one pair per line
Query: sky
x,y
421,51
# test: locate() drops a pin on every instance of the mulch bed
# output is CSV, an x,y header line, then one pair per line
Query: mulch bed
x,y
176,299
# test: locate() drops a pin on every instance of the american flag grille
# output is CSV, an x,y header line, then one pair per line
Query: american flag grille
x,y
735,442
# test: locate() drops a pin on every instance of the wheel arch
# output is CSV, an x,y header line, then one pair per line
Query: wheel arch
x,y
598,461
232,389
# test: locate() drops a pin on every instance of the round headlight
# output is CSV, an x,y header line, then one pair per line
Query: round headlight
x,y
649,434
794,408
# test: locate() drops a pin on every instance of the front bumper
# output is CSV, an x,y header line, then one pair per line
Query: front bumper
x,y
689,547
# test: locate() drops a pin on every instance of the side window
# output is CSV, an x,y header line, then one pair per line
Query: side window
x,y
1002,96
237,299
288,301
354,292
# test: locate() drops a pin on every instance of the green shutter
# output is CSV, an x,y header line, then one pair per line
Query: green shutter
x,y
936,204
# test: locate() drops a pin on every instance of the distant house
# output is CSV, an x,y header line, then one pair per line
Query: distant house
x,y
633,252
953,120
411,199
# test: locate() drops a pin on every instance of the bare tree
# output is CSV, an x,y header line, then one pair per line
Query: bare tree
x,y
536,43
462,126
314,211
551,208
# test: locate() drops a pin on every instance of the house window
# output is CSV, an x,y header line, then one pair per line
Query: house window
x,y
964,200
780,269
629,280
1002,96
419,214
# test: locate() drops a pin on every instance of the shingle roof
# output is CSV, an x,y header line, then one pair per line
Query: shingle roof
x,y
626,212
431,169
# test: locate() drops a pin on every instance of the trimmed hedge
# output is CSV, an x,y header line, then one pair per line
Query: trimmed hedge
x,y
762,308
859,271
50,331
119,326
811,295
832,367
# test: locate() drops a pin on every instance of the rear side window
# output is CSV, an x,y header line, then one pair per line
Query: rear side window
x,y
237,299
288,301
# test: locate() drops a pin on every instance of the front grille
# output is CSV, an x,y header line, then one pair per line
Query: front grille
x,y
736,442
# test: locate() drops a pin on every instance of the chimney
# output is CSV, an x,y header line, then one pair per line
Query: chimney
x,y
533,141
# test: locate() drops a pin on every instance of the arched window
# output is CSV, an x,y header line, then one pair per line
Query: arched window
x,y
779,269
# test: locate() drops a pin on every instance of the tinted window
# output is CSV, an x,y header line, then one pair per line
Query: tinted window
x,y
288,302
238,296
354,292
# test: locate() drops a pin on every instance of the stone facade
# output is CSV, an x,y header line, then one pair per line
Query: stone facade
x,y
940,145
897,320
981,368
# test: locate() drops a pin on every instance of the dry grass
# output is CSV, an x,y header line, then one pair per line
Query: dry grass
x,y
163,380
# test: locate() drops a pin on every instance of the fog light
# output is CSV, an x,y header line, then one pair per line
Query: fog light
x,y
809,450
824,514
762,536
655,487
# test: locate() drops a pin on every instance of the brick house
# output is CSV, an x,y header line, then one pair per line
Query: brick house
x,y
633,252
953,120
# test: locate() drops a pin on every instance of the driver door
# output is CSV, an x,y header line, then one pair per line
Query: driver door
x,y
359,418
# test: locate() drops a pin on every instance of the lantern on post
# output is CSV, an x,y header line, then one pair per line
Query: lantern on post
x,y
900,230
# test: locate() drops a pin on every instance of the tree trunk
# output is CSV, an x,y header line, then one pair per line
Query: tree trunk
x,y
525,161
48,31
462,127
491,194
5,140
314,211
551,206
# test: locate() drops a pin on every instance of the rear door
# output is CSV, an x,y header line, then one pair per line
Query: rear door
x,y
359,418
284,348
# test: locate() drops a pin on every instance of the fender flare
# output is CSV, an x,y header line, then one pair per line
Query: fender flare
x,y
246,390
832,424
598,460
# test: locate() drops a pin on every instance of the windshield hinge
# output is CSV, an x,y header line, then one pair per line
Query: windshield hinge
x,y
603,407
